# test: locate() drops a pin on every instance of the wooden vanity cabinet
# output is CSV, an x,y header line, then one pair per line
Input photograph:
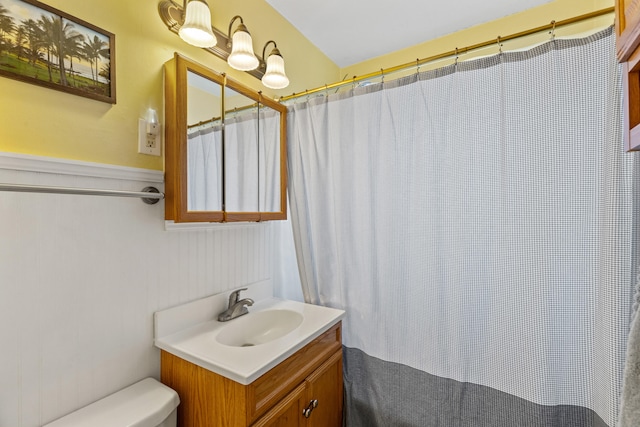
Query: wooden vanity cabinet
x,y
279,398
628,51
323,386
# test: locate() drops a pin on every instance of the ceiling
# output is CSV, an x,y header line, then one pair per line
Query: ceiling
x,y
352,31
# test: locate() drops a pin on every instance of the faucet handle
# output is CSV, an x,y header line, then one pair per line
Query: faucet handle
x,y
235,296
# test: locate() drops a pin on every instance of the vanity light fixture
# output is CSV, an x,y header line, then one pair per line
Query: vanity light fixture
x,y
237,50
242,57
196,29
274,76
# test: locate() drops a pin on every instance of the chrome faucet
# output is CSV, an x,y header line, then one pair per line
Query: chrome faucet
x,y
237,306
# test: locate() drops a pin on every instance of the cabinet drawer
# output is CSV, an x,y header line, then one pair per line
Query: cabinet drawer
x,y
267,390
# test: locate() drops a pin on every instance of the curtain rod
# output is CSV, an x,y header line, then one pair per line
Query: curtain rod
x,y
235,110
149,195
551,26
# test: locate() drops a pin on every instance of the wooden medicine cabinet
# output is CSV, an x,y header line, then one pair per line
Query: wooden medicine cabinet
x,y
225,148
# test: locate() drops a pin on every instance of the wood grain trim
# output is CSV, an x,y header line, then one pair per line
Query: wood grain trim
x,y
632,8
206,398
631,103
620,21
242,216
170,134
634,139
296,397
279,381
270,216
627,28
283,164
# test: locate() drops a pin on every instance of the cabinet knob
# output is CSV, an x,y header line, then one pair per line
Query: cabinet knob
x,y
307,411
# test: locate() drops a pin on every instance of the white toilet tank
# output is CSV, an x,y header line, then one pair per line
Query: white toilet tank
x,y
147,403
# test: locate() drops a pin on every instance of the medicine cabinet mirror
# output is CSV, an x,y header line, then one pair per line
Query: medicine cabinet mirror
x,y
225,148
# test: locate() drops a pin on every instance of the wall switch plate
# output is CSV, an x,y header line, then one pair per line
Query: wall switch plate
x,y
148,144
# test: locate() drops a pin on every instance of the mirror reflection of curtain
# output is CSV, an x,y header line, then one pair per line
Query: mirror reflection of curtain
x,y
204,155
269,134
241,162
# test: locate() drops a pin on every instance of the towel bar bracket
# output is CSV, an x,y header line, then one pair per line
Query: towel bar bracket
x,y
151,200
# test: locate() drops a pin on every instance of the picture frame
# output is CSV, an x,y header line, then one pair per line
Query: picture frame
x,y
33,39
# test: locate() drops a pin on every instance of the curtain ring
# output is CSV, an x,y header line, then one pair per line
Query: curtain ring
x,y
553,30
499,45
382,74
457,56
353,83
417,65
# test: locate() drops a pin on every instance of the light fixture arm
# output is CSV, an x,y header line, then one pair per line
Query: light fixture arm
x,y
264,49
240,27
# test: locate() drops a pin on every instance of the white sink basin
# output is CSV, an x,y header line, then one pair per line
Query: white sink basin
x,y
246,347
259,327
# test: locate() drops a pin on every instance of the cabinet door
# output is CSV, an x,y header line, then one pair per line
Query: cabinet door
x,y
287,412
324,386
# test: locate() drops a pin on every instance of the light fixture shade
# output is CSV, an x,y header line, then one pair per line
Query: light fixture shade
x,y
242,57
196,29
275,77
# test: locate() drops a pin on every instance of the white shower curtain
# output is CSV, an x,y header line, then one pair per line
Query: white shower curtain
x,y
204,155
241,162
252,156
269,147
476,223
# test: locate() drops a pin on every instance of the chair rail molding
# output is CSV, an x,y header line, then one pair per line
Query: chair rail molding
x,y
31,163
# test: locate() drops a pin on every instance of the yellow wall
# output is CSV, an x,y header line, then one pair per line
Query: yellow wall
x,y
557,10
40,121
202,106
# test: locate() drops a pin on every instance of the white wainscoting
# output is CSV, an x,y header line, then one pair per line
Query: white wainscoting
x,y
80,277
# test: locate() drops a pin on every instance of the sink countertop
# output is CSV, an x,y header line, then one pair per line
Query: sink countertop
x,y
198,344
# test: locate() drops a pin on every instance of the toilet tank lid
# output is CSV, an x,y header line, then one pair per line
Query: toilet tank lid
x,y
146,403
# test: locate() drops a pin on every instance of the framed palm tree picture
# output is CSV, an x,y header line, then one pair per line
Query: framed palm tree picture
x,y
48,47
